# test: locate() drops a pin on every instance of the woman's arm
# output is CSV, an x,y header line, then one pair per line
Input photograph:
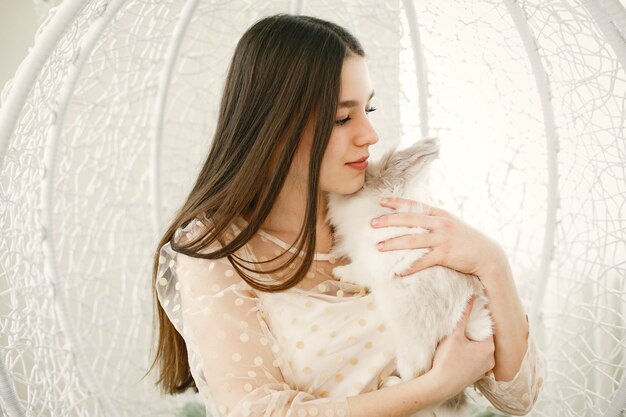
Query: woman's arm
x,y
510,321
236,365
458,362
514,384
400,400
457,245
239,368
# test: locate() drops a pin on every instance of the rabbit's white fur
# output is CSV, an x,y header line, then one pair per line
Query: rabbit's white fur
x,y
419,309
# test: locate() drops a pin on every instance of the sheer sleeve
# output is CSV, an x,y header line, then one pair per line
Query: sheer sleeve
x,y
235,367
517,396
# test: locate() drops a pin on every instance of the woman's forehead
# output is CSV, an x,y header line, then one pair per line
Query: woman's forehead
x,y
356,86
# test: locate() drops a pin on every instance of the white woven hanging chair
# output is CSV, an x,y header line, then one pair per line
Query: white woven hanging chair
x,y
104,126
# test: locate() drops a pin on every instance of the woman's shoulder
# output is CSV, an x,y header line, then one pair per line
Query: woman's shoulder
x,y
190,283
201,226
193,229
176,267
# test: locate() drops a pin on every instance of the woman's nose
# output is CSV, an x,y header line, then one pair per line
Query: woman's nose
x,y
368,133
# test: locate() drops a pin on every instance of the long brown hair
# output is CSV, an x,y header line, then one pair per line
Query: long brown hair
x,y
285,71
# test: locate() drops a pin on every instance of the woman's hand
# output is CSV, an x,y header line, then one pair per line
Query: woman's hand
x,y
452,242
458,246
459,361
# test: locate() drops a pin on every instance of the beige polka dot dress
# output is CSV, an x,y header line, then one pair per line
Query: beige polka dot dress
x,y
299,352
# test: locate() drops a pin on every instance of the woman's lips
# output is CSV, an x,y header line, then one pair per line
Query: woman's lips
x,y
358,165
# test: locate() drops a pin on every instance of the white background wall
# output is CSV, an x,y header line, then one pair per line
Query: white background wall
x,y
19,20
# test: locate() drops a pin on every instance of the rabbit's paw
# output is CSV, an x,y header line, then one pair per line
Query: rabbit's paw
x,y
479,325
390,381
479,328
340,271
344,273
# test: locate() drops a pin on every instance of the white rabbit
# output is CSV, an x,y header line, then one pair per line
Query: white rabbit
x,y
422,308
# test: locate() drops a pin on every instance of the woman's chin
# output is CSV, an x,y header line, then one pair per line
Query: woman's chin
x,y
351,187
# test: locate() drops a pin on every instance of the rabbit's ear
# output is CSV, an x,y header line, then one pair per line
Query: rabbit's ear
x,y
406,163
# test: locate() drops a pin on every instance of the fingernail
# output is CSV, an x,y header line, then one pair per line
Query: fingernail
x,y
384,201
380,245
374,222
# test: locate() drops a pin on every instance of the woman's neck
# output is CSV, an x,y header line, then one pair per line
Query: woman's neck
x,y
285,220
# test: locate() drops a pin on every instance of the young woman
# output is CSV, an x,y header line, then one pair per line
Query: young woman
x,y
249,312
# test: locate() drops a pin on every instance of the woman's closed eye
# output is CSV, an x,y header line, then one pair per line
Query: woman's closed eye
x,y
345,119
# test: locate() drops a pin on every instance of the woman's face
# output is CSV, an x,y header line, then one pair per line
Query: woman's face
x,y
351,136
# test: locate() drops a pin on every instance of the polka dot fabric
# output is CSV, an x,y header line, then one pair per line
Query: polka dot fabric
x,y
299,352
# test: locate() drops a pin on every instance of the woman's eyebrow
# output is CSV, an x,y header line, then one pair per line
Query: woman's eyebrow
x,y
353,103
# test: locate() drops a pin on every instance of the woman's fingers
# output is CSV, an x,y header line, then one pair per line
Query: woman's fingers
x,y
410,241
406,220
412,205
